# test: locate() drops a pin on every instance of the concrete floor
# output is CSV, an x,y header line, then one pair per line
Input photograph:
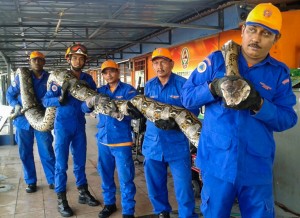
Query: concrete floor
x,y
15,202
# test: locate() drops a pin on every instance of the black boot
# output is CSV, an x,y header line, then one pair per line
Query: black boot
x,y
107,211
85,196
127,216
164,215
63,207
31,188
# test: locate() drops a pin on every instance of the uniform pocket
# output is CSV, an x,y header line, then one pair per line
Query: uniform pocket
x,y
174,136
259,149
218,141
216,148
151,137
259,158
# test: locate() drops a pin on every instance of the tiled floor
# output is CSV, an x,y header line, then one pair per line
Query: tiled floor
x,y
15,202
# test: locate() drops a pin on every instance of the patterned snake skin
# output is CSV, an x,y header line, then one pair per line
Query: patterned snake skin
x,y
43,120
188,123
152,110
234,89
38,118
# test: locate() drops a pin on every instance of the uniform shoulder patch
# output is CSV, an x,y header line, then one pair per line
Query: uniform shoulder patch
x,y
13,84
202,66
54,88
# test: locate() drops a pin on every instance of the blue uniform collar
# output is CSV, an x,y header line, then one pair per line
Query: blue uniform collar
x,y
82,75
118,85
170,81
42,74
268,60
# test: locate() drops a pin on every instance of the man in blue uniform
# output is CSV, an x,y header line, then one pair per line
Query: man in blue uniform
x,y
165,145
25,133
114,139
69,131
236,148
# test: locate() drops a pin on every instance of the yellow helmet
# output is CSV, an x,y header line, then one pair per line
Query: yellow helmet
x,y
161,53
76,49
109,64
37,54
267,16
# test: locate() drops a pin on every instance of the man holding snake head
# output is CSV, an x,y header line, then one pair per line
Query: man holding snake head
x,y
236,148
25,133
69,130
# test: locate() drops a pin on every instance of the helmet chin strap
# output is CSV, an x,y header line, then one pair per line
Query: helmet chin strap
x,y
77,68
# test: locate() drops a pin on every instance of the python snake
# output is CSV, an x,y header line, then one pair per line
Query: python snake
x,y
189,124
39,118
234,88
153,110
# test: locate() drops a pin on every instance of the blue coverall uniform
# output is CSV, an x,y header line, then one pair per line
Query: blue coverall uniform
x,y
25,133
69,131
236,148
114,140
163,148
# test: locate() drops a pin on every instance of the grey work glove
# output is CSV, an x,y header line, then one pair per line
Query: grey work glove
x,y
17,111
133,112
252,102
101,99
215,86
64,93
112,110
169,124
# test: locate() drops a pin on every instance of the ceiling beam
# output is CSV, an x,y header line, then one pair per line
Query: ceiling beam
x,y
112,15
60,49
20,20
71,26
161,24
70,39
4,57
83,19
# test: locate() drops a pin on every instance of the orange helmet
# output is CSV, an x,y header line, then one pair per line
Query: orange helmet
x,y
161,53
109,64
37,54
267,16
76,49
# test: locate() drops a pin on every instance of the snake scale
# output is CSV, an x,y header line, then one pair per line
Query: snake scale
x,y
189,124
37,116
234,88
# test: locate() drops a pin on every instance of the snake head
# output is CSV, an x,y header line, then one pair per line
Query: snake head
x,y
234,89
